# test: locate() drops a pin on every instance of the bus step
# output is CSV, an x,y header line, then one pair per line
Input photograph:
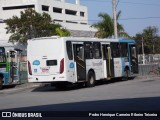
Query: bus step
x,y
15,75
81,81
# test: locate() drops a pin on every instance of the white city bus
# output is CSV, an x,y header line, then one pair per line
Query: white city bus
x,y
62,60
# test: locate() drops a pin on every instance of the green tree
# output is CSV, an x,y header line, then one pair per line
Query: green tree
x,y
62,32
29,25
151,40
120,28
105,27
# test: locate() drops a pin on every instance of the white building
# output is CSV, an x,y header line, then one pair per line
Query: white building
x,y
73,17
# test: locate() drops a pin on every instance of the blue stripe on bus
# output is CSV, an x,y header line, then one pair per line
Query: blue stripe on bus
x,y
128,41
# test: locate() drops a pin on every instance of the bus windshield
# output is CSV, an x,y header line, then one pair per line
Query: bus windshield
x,y
2,55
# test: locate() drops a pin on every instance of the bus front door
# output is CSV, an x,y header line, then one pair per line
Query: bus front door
x,y
80,61
133,58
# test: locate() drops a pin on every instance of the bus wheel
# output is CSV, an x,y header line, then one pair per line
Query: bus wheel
x,y
90,80
125,77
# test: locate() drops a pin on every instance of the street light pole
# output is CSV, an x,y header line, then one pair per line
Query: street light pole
x,y
143,51
114,18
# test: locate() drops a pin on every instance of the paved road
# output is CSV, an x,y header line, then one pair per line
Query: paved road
x,y
132,95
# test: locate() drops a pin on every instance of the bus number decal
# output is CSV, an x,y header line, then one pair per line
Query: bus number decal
x,y
36,62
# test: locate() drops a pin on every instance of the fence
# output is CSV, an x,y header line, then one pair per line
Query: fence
x,y
150,58
145,70
152,61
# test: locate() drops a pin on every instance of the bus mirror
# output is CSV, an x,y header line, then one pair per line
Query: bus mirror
x,y
7,54
12,54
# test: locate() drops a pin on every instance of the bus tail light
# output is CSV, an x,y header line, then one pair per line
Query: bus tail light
x,y
61,70
29,68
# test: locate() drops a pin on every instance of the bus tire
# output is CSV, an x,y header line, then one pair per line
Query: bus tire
x,y
90,79
126,74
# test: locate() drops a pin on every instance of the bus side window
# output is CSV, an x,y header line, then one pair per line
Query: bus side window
x,y
69,50
97,50
116,50
88,51
104,51
80,52
124,49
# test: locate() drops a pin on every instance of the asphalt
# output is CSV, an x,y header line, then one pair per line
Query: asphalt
x,y
22,87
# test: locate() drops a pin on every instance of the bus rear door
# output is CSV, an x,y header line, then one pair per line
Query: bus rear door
x,y
80,61
107,61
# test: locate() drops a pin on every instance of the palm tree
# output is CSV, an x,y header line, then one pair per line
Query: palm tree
x,y
120,28
106,26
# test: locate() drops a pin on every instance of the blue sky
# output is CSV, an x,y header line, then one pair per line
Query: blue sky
x,y
136,14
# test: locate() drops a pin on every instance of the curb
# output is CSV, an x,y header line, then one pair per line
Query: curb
x,y
147,77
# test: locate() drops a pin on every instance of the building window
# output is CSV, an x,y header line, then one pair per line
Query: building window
x,y
70,12
18,7
1,21
71,22
56,20
82,14
57,10
45,8
83,23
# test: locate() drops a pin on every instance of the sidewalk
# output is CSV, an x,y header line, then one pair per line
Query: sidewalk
x,y
20,87
147,76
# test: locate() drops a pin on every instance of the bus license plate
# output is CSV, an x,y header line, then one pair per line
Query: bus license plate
x,y
45,70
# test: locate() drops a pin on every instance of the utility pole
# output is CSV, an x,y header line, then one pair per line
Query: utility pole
x,y
114,18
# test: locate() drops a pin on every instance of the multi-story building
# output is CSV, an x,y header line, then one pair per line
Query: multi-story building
x,y
73,17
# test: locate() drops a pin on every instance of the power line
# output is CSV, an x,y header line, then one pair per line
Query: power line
x,y
142,3
117,3
136,3
140,18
